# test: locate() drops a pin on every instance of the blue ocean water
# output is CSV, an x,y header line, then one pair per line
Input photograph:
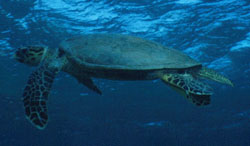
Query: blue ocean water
x,y
129,113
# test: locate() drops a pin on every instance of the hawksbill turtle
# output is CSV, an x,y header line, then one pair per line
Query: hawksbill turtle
x,y
115,57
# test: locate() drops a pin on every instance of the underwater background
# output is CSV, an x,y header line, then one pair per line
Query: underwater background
x,y
129,113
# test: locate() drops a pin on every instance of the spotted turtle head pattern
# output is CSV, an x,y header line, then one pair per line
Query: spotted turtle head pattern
x,y
31,55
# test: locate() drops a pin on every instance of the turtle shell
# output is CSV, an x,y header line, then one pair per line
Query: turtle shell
x,y
116,51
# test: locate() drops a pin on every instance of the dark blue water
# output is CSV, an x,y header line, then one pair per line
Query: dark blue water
x,y
140,113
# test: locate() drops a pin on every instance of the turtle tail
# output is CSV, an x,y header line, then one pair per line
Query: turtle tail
x,y
213,75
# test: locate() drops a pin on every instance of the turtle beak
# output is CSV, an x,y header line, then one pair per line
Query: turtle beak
x,y
13,56
17,55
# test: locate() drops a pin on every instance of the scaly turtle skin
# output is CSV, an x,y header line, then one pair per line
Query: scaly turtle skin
x,y
111,56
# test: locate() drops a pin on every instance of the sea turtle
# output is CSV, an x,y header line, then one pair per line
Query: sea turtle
x,y
110,56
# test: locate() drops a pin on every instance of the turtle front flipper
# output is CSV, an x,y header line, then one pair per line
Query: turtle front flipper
x,y
36,94
195,91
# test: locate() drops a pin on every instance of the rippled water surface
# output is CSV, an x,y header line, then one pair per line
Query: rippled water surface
x,y
140,113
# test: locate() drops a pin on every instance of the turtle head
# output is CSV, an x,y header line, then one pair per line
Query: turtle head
x,y
31,55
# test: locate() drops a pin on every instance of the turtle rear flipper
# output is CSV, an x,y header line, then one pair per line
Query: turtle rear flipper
x,y
36,94
88,82
195,91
